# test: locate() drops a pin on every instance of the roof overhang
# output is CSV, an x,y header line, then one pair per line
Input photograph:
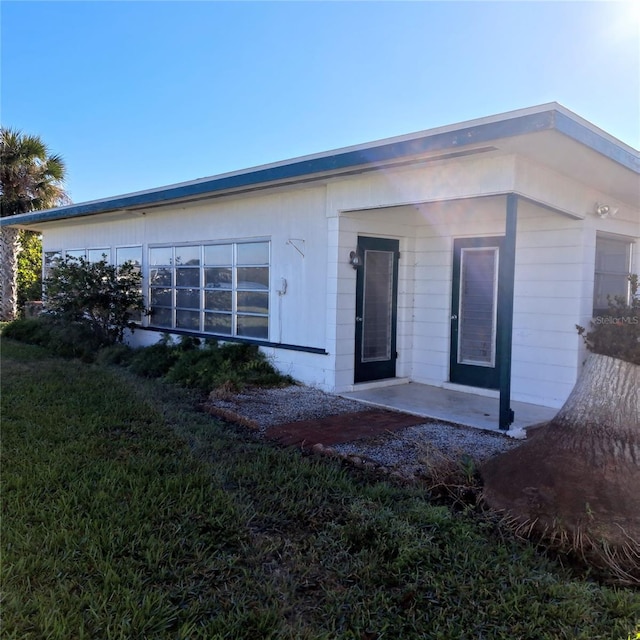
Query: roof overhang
x,y
549,134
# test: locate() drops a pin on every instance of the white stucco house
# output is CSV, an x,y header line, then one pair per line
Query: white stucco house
x,y
461,256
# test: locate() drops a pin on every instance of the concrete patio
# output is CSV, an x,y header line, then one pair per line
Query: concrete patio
x,y
449,405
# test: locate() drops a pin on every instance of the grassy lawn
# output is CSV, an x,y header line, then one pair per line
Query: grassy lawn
x,y
128,514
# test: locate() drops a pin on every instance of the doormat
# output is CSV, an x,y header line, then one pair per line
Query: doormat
x,y
341,428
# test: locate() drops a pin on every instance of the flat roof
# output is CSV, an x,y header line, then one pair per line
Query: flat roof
x,y
449,141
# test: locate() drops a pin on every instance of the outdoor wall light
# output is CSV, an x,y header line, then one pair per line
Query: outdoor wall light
x,y
355,259
605,210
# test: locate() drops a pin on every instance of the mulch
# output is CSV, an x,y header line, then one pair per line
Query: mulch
x,y
344,427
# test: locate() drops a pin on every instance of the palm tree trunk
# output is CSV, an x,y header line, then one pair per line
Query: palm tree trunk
x,y
606,397
575,482
9,249
601,417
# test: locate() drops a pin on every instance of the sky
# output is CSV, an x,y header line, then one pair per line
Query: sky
x,y
137,95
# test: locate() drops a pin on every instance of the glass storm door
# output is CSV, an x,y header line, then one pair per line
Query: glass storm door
x,y
474,304
376,309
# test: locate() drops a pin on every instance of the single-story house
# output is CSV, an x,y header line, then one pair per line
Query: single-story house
x,y
460,257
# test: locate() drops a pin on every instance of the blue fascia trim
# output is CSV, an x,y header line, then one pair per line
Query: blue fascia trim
x,y
342,161
592,139
313,166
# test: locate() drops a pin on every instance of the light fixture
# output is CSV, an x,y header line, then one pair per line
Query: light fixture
x,y
355,259
605,210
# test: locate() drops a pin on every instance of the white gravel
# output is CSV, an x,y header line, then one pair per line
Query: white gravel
x,y
405,449
269,407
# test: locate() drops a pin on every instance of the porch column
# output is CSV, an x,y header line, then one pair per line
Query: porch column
x,y
506,279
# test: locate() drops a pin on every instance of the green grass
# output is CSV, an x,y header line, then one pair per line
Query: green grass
x,y
126,513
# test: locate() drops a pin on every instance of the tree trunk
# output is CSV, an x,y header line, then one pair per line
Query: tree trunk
x,y
577,479
605,398
9,249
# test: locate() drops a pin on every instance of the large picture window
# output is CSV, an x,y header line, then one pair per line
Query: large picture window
x,y
612,268
221,289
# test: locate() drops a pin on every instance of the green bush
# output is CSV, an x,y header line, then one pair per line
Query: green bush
x,y
617,333
68,340
187,363
230,365
73,340
101,296
118,354
30,331
154,361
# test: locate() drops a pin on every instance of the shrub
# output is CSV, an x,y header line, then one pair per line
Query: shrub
x,y
197,368
72,340
101,296
154,361
118,354
25,330
617,334
231,365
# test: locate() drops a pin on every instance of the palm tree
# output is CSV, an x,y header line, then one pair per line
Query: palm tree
x,y
574,483
31,178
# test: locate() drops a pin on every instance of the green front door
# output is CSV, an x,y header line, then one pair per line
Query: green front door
x,y
376,309
474,357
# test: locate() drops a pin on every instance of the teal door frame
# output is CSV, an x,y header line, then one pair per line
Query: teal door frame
x,y
482,372
376,309
504,310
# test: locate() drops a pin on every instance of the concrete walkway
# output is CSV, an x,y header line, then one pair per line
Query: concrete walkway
x,y
452,406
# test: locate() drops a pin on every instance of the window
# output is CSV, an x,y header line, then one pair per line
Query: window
x,y
50,258
129,254
95,255
75,253
222,289
612,268
90,255
134,256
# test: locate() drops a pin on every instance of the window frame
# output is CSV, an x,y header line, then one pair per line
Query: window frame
x,y
201,319
600,273
136,316
104,251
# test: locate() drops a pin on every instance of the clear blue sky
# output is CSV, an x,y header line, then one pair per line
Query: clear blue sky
x,y
136,95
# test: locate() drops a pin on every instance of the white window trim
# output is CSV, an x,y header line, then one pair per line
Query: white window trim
x,y
622,240
233,313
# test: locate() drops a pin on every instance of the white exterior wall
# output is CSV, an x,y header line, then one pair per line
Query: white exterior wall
x,y
394,224
313,229
438,225
294,222
386,204
554,273
547,300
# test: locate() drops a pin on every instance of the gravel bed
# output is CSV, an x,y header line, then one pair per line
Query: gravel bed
x,y
269,407
410,449
405,450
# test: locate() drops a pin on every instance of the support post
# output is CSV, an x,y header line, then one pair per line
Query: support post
x,y
506,280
